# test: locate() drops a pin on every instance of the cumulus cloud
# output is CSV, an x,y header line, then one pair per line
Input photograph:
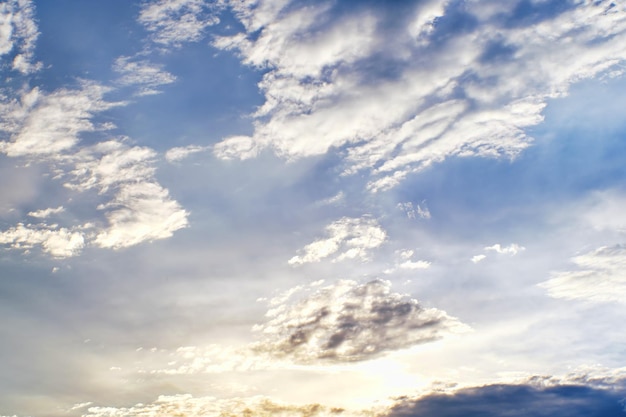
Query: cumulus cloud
x,y
145,74
349,322
600,277
348,238
18,34
471,91
173,22
179,153
190,406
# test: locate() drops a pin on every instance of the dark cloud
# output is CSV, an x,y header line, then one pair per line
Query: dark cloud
x,y
517,401
349,322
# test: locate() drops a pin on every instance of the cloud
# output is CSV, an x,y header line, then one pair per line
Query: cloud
x,y
351,237
179,153
145,74
415,211
522,400
513,249
173,22
46,125
47,128
57,241
18,34
42,214
395,92
349,322
478,258
600,277
190,406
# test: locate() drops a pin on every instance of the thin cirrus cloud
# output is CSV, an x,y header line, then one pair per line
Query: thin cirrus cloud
x,y
348,322
600,277
466,99
172,23
142,73
348,238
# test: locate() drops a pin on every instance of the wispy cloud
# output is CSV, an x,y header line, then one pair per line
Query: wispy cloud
x,y
349,322
44,213
179,153
458,95
43,125
18,34
349,238
599,277
142,73
48,128
172,23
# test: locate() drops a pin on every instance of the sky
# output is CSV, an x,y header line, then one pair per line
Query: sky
x,y
300,208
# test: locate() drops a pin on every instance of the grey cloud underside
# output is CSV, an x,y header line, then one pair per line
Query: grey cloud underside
x,y
468,77
349,322
518,401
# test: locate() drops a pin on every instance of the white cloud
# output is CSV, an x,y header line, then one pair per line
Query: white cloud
x,y
18,34
140,212
349,238
415,265
348,322
179,153
173,22
512,249
600,277
141,209
44,213
56,241
45,125
48,128
478,258
415,211
452,97
142,73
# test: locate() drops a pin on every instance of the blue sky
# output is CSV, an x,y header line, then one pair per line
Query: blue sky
x,y
293,208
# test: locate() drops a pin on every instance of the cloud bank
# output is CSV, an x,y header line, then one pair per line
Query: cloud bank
x,y
399,89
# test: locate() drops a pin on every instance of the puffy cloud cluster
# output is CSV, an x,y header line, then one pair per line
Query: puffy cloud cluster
x,y
349,322
18,34
190,406
57,241
173,22
600,277
401,88
47,128
349,237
